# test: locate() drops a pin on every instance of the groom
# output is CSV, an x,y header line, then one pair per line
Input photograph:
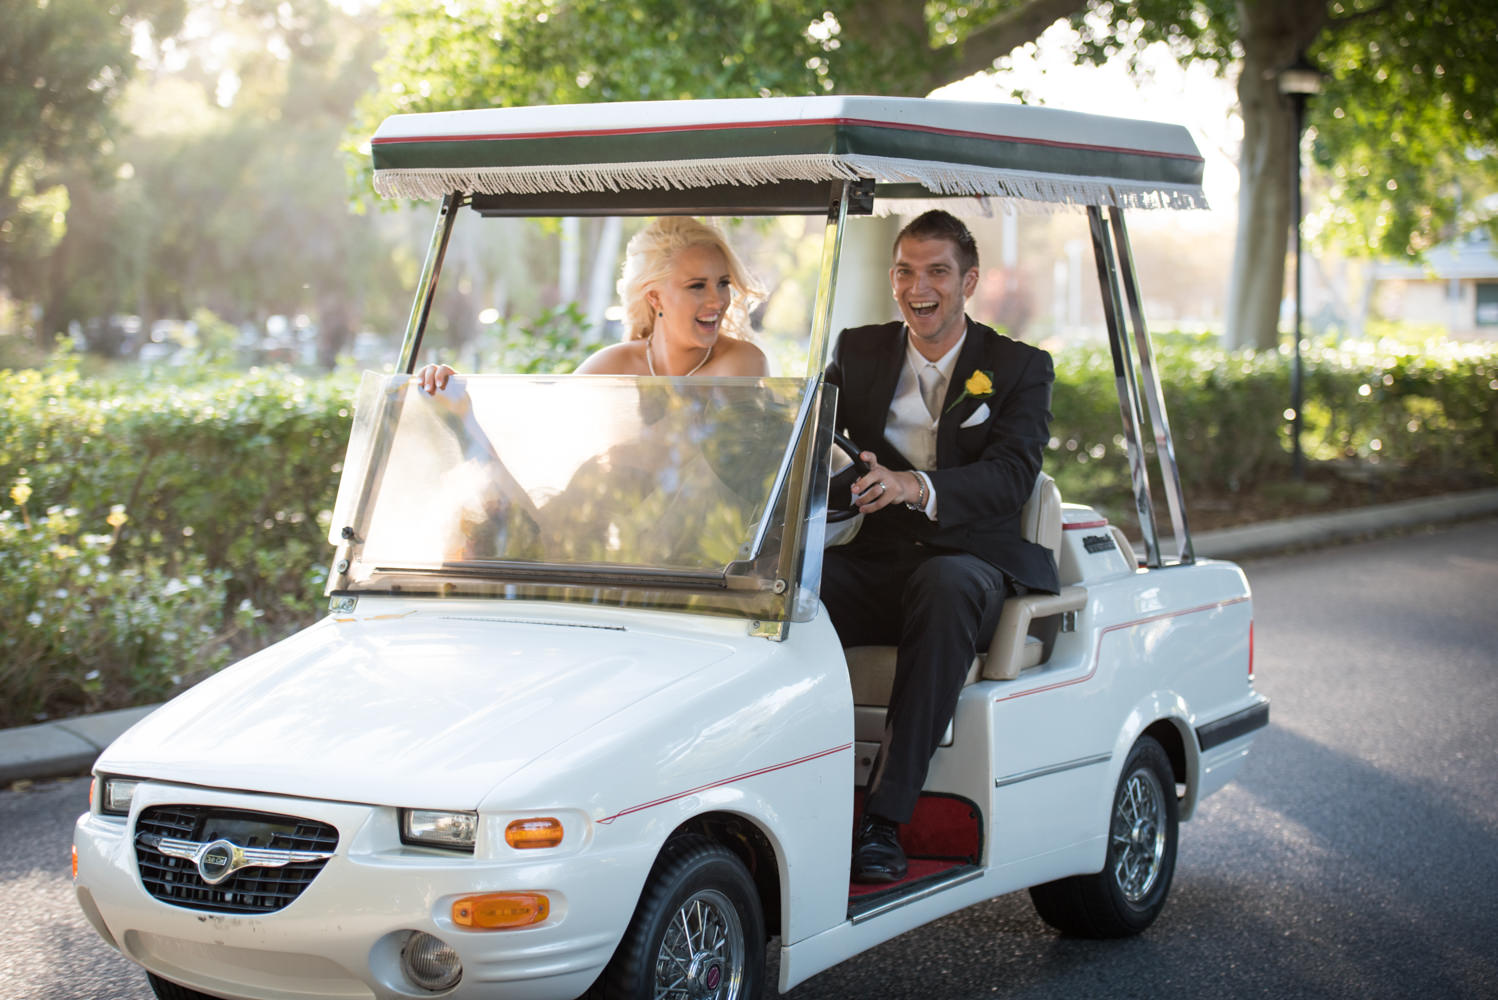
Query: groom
x,y
954,418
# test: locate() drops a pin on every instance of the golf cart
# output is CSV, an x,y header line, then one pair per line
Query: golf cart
x,y
577,722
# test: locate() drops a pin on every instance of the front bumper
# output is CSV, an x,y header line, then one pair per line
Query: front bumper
x,y
342,937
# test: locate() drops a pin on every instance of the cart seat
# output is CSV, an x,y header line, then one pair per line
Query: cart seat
x,y
1023,638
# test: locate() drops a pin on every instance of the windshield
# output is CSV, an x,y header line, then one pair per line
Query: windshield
x,y
638,491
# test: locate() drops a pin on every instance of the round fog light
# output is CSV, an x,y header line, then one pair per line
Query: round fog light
x,y
431,962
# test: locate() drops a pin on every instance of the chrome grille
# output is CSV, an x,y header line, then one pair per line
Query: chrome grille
x,y
176,880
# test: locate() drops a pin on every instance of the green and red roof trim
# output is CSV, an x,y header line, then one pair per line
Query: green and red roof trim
x,y
947,148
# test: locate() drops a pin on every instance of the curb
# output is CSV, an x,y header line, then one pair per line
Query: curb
x,y
1323,529
62,748
69,747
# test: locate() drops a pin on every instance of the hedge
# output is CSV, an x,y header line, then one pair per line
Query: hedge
x,y
1380,407
153,530
219,490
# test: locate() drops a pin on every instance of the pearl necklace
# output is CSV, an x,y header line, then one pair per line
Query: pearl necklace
x,y
650,359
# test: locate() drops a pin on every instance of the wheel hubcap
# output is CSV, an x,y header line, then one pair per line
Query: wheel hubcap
x,y
1138,835
702,953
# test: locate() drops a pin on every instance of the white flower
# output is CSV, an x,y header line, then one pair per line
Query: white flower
x,y
173,587
34,619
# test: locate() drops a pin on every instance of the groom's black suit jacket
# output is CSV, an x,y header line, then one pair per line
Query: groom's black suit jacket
x,y
984,472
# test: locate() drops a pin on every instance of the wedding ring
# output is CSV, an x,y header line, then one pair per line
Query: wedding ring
x,y
882,488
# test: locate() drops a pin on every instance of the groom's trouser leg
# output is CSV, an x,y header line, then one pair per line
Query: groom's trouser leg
x,y
940,608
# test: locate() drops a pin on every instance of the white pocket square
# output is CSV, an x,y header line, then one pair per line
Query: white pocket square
x,y
977,417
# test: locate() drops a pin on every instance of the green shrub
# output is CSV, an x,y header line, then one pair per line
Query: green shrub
x,y
1423,410
238,471
553,343
84,632
1416,412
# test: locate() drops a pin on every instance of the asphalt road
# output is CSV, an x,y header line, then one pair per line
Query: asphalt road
x,y
1356,856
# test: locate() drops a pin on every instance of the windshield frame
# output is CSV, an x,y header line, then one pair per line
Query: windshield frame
x,y
770,580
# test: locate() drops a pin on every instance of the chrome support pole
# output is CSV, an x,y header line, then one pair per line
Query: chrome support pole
x,y
796,564
1297,384
832,248
1123,376
426,287
1149,382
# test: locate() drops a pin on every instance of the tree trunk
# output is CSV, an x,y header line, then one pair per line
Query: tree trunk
x,y
569,268
335,331
601,277
1274,32
863,293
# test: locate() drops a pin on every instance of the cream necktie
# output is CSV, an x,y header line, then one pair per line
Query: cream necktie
x,y
931,385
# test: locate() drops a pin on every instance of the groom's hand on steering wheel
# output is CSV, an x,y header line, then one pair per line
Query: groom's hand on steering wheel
x,y
880,487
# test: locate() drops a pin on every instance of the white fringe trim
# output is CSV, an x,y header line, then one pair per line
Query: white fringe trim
x,y
663,175
948,179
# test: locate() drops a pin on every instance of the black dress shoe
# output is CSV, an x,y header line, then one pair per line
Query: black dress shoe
x,y
877,854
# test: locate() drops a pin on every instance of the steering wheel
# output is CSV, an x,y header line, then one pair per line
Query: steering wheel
x,y
840,505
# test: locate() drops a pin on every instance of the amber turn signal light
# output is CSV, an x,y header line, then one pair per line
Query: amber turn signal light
x,y
75,862
523,834
498,911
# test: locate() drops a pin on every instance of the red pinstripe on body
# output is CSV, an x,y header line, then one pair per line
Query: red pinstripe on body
x,y
725,781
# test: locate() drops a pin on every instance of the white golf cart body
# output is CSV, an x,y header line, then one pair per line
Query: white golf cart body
x,y
592,602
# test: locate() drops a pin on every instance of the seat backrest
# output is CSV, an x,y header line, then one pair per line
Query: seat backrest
x,y
1040,518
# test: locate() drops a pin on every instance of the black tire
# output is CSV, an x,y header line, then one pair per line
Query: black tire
x,y
165,989
1129,893
706,886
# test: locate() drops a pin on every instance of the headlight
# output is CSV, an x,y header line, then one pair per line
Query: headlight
x,y
117,795
434,828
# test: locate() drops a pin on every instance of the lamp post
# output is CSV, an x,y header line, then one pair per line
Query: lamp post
x,y
1298,81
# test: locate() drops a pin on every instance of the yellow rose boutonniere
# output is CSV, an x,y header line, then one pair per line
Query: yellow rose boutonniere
x,y
979,385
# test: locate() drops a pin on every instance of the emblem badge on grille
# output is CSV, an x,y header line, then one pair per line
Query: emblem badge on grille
x,y
218,859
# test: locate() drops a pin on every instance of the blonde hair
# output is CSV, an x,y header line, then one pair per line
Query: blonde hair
x,y
649,257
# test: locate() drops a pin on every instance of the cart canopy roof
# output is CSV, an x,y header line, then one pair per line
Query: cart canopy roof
x,y
649,156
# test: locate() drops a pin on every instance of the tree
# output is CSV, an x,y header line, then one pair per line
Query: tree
x,y
228,192
1407,122
63,66
1383,56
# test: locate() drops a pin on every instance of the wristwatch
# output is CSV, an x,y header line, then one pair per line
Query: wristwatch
x,y
920,501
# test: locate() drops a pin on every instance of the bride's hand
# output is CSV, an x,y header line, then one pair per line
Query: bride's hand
x,y
433,378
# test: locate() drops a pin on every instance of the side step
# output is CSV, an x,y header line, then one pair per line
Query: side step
x,y
868,905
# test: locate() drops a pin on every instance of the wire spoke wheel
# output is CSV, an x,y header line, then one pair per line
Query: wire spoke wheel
x,y
1139,835
702,953
698,932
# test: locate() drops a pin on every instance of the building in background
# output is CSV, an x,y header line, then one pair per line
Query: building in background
x,y
1455,286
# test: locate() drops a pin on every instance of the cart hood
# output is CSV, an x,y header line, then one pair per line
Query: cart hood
x,y
421,710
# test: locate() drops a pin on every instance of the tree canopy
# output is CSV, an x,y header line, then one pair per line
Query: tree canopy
x,y
215,184
64,65
1408,100
1407,126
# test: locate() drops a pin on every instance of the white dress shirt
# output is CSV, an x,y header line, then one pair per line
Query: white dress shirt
x,y
910,426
